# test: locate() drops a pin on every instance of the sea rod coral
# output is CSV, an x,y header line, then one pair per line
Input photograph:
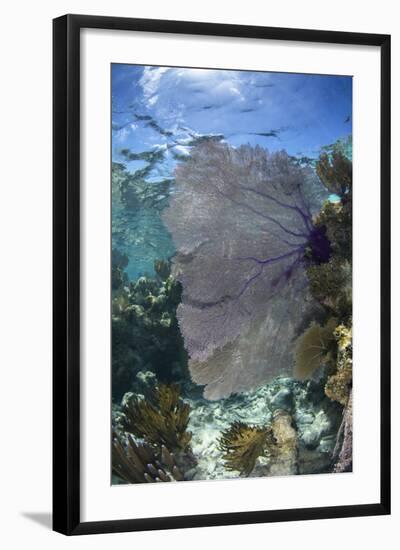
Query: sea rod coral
x,y
242,444
242,221
150,437
138,463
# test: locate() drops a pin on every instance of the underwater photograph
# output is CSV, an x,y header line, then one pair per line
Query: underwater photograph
x,y
231,275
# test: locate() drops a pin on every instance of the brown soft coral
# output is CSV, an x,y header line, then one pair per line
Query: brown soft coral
x,y
335,172
336,218
242,444
314,348
330,284
137,462
161,420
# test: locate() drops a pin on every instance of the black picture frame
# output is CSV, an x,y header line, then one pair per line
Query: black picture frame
x,y
66,272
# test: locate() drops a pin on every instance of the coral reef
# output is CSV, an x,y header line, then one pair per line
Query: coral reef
x,y
297,439
330,284
338,385
241,220
119,262
145,332
291,407
243,444
137,462
231,275
160,420
335,218
335,171
314,348
151,441
287,427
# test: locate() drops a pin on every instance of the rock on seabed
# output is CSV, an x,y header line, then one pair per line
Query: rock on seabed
x,y
315,419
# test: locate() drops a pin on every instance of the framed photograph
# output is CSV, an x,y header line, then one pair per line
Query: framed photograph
x,y
221,274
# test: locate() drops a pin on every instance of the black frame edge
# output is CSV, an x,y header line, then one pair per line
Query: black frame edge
x,y
385,273
226,30
226,519
66,274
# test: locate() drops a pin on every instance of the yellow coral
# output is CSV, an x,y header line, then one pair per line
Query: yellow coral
x,y
313,348
338,386
343,336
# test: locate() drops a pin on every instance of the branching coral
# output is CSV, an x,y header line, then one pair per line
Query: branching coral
x,y
344,338
336,219
138,463
151,441
243,444
145,332
314,348
335,172
241,220
330,284
163,420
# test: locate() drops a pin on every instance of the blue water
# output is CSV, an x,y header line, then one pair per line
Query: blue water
x,y
160,113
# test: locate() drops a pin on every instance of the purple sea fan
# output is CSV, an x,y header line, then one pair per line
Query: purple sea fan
x,y
241,220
